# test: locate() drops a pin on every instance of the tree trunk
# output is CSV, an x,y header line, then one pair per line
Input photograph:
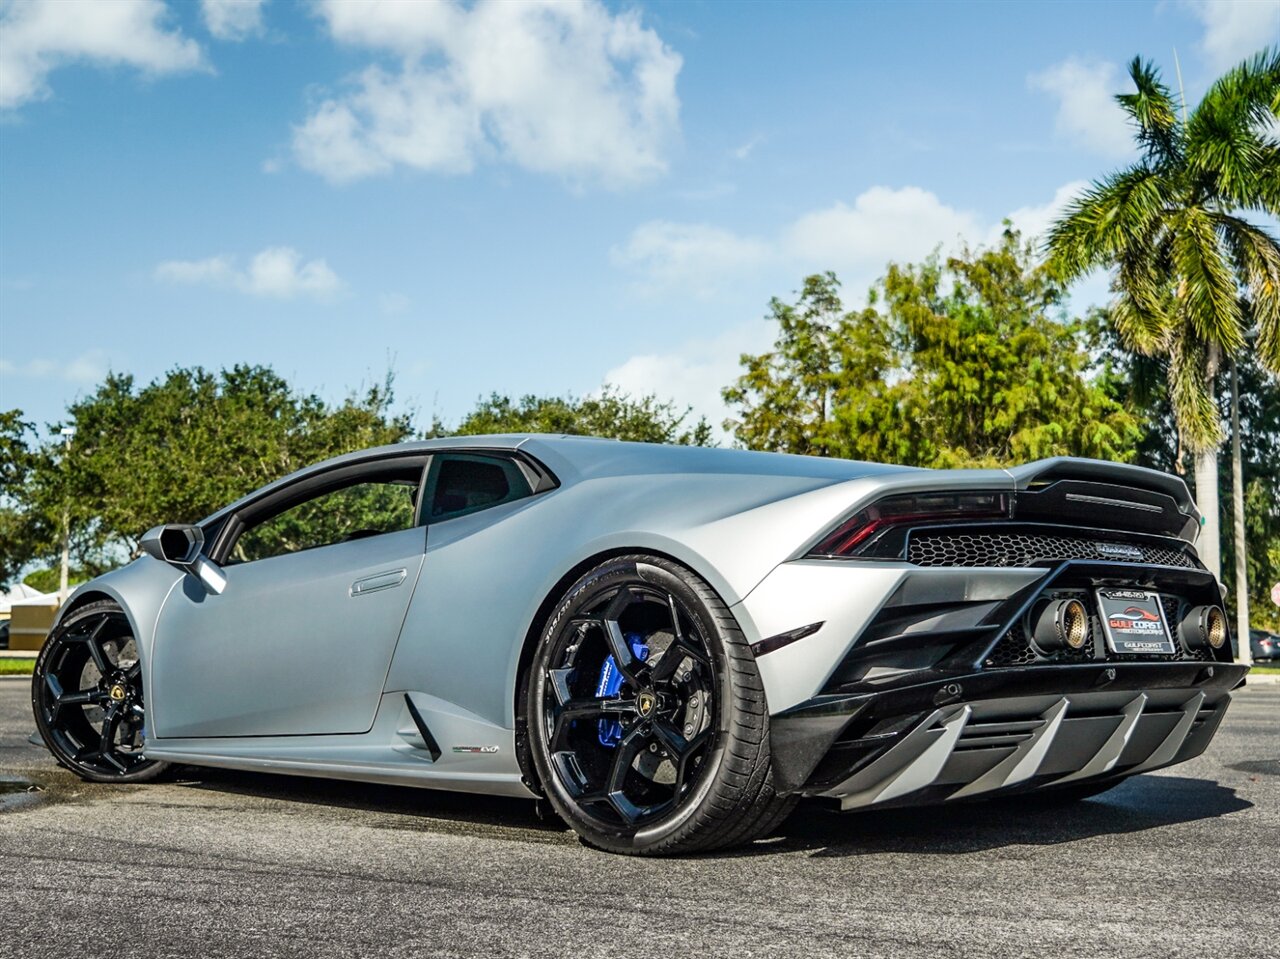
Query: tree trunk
x,y
1237,519
1206,468
65,566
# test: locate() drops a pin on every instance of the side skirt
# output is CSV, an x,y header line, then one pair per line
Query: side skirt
x,y
416,740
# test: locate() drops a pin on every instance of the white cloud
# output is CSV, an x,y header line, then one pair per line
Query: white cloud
x,y
693,373
216,270
1034,221
277,271
883,224
232,19
693,256
855,239
562,88
1088,114
745,150
413,118
89,367
1235,29
394,304
42,35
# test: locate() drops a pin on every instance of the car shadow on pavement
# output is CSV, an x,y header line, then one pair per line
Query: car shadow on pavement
x,y
1137,804
395,807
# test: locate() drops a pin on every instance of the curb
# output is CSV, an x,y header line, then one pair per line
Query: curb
x,y
1262,679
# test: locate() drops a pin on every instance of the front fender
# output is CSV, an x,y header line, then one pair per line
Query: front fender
x,y
140,589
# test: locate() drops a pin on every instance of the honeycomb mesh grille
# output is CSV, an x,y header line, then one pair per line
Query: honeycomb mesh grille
x,y
954,548
1012,650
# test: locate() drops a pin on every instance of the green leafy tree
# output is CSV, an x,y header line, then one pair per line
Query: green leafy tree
x,y
1190,273
21,536
49,579
187,444
361,510
964,362
611,414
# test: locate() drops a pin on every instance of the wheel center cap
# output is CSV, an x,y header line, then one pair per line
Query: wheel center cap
x,y
117,692
646,702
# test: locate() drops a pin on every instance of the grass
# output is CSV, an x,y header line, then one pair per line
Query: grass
x,y
1266,669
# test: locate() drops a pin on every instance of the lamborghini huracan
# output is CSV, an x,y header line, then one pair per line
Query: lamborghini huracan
x,y
668,645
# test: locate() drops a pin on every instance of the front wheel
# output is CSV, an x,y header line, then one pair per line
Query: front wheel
x,y
86,693
647,716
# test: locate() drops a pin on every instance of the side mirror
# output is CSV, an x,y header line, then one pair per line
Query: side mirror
x,y
176,543
180,545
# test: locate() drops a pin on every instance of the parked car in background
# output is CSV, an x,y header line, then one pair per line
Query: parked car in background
x,y
1263,644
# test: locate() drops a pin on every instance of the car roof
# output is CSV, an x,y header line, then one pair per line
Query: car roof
x,y
578,458
592,456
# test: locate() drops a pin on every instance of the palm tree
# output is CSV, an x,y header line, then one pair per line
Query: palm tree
x,y
1191,274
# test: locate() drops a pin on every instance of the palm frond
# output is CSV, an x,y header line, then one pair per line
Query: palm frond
x,y
1194,408
1256,255
1268,193
1207,289
1227,134
1248,93
1142,329
1154,112
1108,219
1143,284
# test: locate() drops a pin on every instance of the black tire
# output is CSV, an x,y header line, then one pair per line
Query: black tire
x,y
689,765
96,729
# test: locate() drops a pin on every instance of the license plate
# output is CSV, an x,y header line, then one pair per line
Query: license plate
x,y
1133,621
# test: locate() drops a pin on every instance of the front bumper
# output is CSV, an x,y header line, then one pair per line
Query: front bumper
x,y
999,730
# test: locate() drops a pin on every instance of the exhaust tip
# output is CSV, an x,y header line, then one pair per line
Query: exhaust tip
x,y
1061,624
1204,627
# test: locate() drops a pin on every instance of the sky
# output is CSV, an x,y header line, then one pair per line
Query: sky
x,y
527,197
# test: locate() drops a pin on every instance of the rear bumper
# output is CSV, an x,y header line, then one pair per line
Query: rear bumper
x,y
999,730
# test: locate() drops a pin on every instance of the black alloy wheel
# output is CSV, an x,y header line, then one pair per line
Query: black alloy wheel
x,y
647,715
86,693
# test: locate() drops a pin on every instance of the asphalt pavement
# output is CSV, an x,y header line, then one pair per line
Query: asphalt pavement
x,y
1182,862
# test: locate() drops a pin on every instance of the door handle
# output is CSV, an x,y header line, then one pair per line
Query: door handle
x,y
379,581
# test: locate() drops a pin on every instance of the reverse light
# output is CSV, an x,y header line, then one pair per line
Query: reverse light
x,y
909,510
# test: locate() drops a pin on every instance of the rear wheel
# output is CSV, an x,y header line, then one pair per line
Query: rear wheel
x,y
647,716
86,693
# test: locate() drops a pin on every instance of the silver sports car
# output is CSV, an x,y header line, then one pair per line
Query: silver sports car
x,y
671,645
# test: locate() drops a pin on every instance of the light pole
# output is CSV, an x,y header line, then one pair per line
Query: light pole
x,y
67,433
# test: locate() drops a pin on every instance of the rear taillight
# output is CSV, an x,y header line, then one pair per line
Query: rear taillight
x,y
909,510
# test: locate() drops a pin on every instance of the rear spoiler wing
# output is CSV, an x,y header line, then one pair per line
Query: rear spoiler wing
x,y
1045,473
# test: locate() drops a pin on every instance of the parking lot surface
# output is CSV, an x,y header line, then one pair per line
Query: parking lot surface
x,y
1182,862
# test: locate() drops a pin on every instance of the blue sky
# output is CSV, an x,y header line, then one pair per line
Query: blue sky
x,y
524,197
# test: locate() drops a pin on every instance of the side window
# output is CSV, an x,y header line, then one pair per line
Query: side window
x,y
463,483
337,516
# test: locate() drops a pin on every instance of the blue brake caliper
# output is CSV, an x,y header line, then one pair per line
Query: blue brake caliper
x,y
610,730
